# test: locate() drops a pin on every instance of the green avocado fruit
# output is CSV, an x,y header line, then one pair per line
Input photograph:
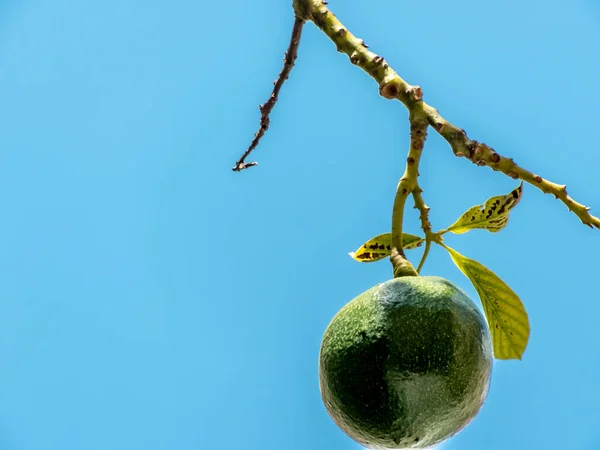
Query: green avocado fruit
x,y
406,364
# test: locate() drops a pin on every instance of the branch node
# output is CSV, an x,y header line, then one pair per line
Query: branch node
x,y
415,93
390,89
418,144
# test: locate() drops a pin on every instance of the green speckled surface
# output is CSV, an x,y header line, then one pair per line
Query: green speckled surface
x,y
406,364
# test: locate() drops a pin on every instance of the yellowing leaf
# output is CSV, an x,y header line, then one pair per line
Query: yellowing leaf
x,y
380,247
506,316
491,216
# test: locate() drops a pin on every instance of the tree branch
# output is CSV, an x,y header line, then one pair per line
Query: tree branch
x,y
265,109
392,86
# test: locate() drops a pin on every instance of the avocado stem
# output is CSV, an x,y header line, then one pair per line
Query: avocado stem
x,y
407,184
402,267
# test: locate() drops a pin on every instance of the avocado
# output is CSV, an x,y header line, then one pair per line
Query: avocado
x,y
406,364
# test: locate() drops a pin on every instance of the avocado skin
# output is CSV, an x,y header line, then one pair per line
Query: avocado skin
x,y
406,364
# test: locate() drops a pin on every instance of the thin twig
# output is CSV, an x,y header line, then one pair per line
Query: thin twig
x,y
265,109
392,86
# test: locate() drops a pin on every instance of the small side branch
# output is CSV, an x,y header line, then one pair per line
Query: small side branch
x,y
265,109
425,224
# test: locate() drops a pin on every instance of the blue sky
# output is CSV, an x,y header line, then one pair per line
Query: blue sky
x,y
152,299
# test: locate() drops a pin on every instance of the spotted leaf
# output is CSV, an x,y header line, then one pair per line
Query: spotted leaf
x,y
380,247
491,216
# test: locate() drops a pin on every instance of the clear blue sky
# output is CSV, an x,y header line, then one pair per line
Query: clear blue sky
x,y
152,299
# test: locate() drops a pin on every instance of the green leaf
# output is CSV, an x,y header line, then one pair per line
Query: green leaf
x,y
506,316
491,216
380,247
